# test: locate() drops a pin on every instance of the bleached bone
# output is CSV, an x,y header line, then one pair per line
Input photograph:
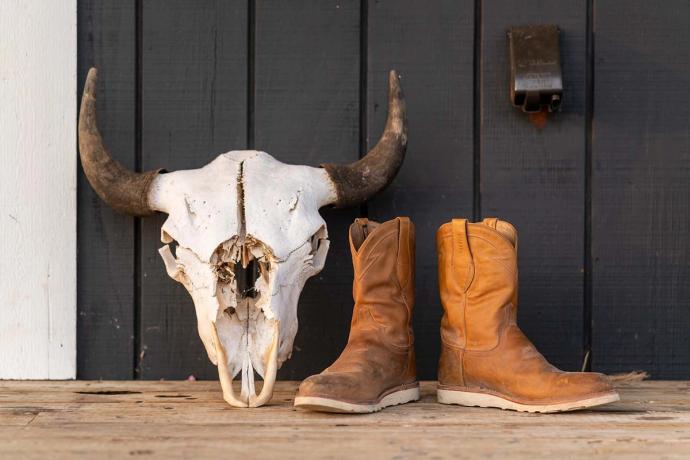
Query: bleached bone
x,y
282,231
244,207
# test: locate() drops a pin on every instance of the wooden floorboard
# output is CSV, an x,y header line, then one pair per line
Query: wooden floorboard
x,y
152,419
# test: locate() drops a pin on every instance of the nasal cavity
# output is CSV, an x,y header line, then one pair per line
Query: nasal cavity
x,y
246,278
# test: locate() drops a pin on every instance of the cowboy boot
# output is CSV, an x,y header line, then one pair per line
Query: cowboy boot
x,y
377,367
486,360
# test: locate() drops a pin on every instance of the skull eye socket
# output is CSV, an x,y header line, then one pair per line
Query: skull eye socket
x,y
319,248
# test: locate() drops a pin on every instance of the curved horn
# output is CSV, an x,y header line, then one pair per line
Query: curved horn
x,y
356,182
124,190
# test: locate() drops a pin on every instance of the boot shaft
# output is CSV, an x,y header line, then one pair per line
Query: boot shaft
x,y
477,279
485,358
377,367
383,257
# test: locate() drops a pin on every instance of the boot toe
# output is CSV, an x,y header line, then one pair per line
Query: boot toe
x,y
599,383
330,385
582,384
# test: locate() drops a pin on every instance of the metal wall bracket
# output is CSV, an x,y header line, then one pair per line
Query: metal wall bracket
x,y
536,81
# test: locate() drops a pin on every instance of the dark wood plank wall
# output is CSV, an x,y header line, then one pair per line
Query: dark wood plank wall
x,y
534,177
193,107
641,188
106,244
600,194
435,181
306,111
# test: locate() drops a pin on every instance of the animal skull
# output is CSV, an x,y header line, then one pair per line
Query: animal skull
x,y
224,217
243,214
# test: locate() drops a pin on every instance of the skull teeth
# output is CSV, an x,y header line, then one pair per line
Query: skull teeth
x,y
245,331
248,396
248,390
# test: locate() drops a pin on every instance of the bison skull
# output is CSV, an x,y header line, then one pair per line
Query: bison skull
x,y
244,209
243,214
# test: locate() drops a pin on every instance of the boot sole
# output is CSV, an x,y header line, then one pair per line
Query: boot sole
x,y
473,399
333,405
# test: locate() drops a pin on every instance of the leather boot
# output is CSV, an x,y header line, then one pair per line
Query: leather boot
x,y
377,367
486,360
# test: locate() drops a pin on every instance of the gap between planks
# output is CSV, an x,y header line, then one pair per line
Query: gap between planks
x,y
153,419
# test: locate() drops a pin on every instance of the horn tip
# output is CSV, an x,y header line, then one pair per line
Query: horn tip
x,y
395,92
91,81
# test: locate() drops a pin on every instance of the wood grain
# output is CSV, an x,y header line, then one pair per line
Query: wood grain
x,y
189,419
38,207
535,178
194,92
307,112
435,182
641,188
105,239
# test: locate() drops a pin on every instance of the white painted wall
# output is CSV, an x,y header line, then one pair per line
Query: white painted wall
x,y
38,52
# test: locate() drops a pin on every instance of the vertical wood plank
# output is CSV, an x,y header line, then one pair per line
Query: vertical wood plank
x,y
535,178
38,49
105,239
641,188
307,112
431,45
194,92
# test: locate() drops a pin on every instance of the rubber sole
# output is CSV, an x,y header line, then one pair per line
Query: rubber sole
x,y
473,399
333,405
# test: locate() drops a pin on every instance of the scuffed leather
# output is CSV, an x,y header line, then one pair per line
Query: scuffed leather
x,y
482,347
379,356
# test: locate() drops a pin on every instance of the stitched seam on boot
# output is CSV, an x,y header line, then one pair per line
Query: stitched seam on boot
x,y
493,259
397,348
381,238
408,309
463,305
501,331
374,258
464,352
490,231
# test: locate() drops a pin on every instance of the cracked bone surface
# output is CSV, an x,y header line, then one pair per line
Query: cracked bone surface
x,y
223,218
243,212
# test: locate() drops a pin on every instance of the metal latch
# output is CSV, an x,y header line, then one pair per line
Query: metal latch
x,y
536,81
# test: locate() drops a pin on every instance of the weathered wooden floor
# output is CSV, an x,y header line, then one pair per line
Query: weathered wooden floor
x,y
189,420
